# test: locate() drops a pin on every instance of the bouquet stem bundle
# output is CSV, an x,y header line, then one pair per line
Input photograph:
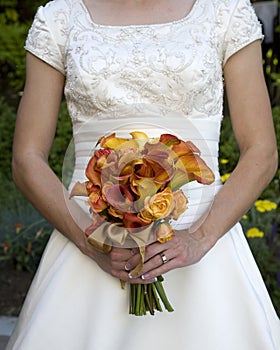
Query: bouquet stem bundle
x,y
147,298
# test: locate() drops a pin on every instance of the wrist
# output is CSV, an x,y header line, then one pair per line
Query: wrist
x,y
206,237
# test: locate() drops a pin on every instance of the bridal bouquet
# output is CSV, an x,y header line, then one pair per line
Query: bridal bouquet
x,y
133,191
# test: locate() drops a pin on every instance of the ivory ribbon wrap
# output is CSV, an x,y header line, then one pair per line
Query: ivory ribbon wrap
x,y
107,235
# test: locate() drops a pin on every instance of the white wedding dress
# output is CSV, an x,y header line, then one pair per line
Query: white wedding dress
x,y
154,78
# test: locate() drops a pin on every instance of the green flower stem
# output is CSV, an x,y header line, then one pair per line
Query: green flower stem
x,y
161,292
148,301
150,296
156,299
132,299
138,300
143,306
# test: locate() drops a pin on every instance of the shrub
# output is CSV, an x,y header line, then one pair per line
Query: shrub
x,y
23,232
7,123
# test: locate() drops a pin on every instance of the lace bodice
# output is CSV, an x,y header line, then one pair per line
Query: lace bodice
x,y
177,65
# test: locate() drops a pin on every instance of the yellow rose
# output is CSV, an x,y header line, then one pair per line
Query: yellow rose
x,y
179,203
158,206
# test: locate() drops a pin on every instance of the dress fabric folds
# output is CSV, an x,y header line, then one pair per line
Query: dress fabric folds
x,y
155,78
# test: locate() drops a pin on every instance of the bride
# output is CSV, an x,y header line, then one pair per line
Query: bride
x,y
154,65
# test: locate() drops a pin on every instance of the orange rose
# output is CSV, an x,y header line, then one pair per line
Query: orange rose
x,y
164,232
180,204
158,206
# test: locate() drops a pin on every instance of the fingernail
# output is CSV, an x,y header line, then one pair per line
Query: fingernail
x,y
147,276
127,267
130,276
133,251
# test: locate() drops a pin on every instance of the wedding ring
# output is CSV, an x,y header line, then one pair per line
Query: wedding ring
x,y
163,258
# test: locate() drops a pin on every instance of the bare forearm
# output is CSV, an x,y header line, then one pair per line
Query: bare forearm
x,y
40,185
254,171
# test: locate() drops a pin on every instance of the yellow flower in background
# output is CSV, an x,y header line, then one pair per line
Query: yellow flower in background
x,y
245,217
254,232
265,205
224,161
225,177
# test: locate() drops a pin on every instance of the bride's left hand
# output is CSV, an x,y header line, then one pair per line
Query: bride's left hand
x,y
183,249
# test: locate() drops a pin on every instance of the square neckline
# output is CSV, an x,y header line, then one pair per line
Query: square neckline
x,y
184,18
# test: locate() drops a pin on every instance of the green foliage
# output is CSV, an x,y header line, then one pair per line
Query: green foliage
x,y
15,20
59,148
62,140
7,122
23,232
24,246
228,147
273,189
272,75
12,54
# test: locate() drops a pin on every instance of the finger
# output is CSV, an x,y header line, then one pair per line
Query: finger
x,y
157,247
165,261
120,254
132,262
159,270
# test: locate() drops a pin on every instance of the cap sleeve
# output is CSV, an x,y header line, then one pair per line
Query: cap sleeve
x,y
243,28
47,35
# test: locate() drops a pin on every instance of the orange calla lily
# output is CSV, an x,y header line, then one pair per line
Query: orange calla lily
x,y
197,169
79,189
139,135
120,197
143,187
115,143
180,178
91,173
96,201
111,141
161,165
132,221
169,140
100,160
185,148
